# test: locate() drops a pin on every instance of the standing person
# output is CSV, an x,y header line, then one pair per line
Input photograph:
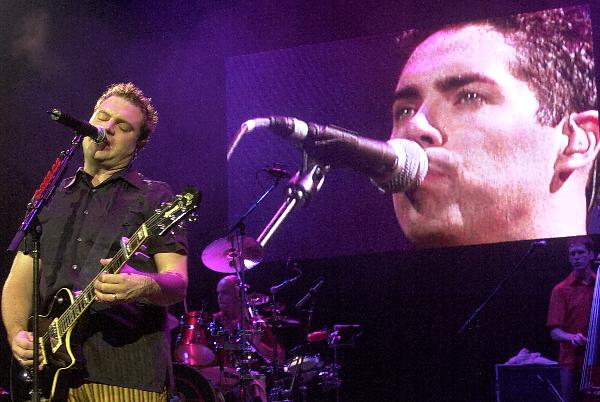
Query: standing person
x,y
569,314
124,352
505,109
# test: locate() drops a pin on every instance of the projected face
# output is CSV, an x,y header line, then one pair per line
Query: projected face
x,y
496,174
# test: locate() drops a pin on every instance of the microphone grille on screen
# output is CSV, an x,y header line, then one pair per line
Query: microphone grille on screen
x,y
411,168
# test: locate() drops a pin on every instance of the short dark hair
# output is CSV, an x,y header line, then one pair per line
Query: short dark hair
x,y
585,241
133,94
554,55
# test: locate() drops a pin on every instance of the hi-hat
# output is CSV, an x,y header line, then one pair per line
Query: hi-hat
x,y
222,255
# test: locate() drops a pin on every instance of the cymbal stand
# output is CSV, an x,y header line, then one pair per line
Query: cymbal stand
x,y
243,366
330,377
277,393
303,347
238,231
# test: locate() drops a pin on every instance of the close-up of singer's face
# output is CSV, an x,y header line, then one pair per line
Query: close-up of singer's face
x,y
490,160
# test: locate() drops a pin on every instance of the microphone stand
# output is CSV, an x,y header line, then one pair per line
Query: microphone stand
x,y
31,225
469,323
304,347
240,222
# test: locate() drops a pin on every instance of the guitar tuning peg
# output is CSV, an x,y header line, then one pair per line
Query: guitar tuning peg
x,y
157,211
193,217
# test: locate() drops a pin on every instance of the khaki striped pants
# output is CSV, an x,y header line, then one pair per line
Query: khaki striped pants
x,y
93,392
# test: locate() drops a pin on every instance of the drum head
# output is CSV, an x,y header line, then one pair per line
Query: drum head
x,y
194,354
306,366
190,386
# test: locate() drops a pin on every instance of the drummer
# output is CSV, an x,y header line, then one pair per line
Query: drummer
x,y
223,375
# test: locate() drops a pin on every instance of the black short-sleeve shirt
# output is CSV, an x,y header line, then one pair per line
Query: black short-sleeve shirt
x,y
127,344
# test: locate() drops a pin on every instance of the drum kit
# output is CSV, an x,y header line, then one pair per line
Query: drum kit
x,y
214,364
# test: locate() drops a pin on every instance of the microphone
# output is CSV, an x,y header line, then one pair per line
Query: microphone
x,y
98,134
310,293
394,166
284,284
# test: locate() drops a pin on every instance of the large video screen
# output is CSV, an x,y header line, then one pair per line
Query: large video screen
x,y
502,110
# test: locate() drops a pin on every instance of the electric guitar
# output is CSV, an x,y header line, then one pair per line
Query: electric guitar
x,y
66,308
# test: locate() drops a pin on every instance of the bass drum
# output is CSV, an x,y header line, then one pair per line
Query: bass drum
x,y
190,386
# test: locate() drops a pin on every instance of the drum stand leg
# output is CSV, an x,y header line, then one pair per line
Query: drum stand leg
x,y
279,394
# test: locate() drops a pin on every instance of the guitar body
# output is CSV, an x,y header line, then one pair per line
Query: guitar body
x,y
57,359
55,349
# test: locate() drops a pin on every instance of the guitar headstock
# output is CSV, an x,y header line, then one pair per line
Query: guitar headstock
x,y
172,212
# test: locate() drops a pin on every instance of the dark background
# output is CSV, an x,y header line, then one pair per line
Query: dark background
x,y
411,304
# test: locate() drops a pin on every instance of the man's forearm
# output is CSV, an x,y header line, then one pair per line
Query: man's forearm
x,y
16,295
164,288
561,336
16,309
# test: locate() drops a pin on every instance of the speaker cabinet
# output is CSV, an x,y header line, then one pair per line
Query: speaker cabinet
x,y
527,383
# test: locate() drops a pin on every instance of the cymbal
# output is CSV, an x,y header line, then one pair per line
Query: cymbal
x,y
221,254
281,321
257,299
274,308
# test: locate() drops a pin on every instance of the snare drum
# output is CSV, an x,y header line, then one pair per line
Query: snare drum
x,y
193,342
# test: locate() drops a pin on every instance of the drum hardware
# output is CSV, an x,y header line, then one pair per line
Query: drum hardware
x,y
301,366
275,308
305,366
343,335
